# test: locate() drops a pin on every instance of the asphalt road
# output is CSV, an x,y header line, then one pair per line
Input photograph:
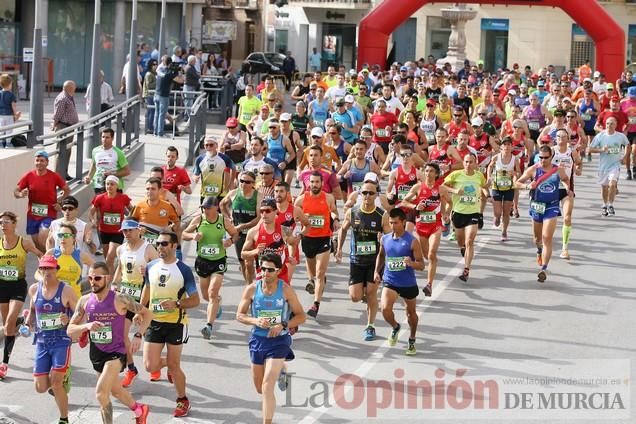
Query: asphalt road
x,y
501,347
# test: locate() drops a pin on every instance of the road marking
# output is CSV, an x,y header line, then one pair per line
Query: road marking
x,y
382,350
88,414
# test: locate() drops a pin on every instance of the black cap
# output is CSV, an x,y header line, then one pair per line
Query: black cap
x,y
210,202
268,202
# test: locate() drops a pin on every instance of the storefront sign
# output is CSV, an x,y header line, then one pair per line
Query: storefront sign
x,y
27,54
219,31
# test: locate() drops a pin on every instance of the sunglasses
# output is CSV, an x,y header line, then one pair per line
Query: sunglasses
x,y
333,133
271,100
163,243
316,136
268,269
65,235
45,268
458,116
246,181
401,132
430,105
368,193
230,128
545,157
312,89
266,210
481,114
96,277
406,155
265,173
570,117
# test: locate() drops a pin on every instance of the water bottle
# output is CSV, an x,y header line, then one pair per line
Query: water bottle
x,y
24,331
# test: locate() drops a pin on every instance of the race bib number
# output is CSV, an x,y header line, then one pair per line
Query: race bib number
x,y
38,209
211,189
245,116
111,219
102,335
538,207
316,221
211,250
427,217
614,150
586,116
468,199
365,248
533,125
48,322
430,137
402,192
273,316
396,264
357,187
150,238
9,273
380,132
98,179
131,290
157,309
504,181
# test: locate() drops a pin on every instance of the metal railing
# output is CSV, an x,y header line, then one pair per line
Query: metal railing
x,y
196,130
25,128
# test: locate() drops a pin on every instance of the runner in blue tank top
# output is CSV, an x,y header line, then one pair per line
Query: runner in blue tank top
x,y
400,255
52,302
267,305
544,203
103,314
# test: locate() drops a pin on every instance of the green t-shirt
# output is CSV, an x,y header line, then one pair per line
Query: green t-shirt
x,y
248,108
469,202
112,159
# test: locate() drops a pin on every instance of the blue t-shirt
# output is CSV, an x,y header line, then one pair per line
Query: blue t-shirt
x,y
610,160
6,100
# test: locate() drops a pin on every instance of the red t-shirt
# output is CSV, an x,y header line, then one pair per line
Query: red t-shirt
x,y
42,193
380,122
621,119
111,210
172,178
329,180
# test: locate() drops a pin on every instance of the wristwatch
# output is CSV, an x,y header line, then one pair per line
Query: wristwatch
x,y
284,325
178,304
138,335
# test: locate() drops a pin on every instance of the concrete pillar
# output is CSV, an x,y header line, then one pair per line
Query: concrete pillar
x,y
119,50
197,24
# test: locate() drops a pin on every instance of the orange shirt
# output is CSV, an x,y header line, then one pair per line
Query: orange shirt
x,y
329,156
159,216
317,209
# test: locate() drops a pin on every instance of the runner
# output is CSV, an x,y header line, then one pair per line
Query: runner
x,y
280,148
257,158
240,207
208,230
296,143
316,242
267,306
608,143
13,284
427,199
51,304
132,257
401,180
367,223
107,160
291,217
355,168
234,144
214,169
467,186
329,180
40,185
175,178
104,314
503,170
544,204
153,214
170,289
400,255
569,159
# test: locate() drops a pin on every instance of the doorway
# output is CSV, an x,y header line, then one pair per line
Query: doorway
x,y
494,43
338,45
404,41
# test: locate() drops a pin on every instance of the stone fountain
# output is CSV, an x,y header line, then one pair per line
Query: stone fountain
x,y
458,16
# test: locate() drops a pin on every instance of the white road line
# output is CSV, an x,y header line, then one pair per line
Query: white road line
x,y
380,352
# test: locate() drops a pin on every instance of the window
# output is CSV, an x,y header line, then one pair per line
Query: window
x,y
281,41
582,47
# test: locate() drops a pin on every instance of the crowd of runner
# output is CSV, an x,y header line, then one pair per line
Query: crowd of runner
x,y
396,162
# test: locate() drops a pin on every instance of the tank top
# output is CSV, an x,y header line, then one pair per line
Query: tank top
x,y
320,112
365,227
275,244
300,124
210,246
48,318
396,273
286,218
130,261
340,151
319,215
110,337
276,149
243,209
482,147
70,270
567,161
573,134
454,129
432,201
535,118
519,147
429,126
369,154
12,262
502,179
440,156
356,179
275,308
404,181
547,192
237,156
588,120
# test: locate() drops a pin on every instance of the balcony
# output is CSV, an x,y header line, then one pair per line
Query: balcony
x,y
233,4
333,4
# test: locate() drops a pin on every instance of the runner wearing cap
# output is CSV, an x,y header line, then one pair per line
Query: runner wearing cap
x,y
214,169
102,313
289,131
153,214
248,107
107,213
233,144
329,158
132,257
280,148
504,168
588,109
267,305
355,199
106,160
356,112
40,186
13,285
345,120
52,302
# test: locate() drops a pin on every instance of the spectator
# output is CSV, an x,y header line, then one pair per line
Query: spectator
x,y
124,74
289,67
314,61
106,95
191,84
165,76
8,107
150,84
64,115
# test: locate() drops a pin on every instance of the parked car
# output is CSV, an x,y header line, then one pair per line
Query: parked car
x,y
265,62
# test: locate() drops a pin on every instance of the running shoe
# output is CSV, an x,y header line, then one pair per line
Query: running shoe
x,y
496,222
206,332
410,350
66,383
564,254
604,211
394,335
428,290
144,414
464,276
182,409
611,211
313,311
452,236
542,276
310,287
516,213
4,369
283,379
129,377
155,376
369,334
504,237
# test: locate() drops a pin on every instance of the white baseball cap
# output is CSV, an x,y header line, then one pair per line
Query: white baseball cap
x,y
371,176
317,132
477,122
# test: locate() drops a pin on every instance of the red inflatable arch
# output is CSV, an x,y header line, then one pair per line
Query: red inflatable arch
x,y
590,15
